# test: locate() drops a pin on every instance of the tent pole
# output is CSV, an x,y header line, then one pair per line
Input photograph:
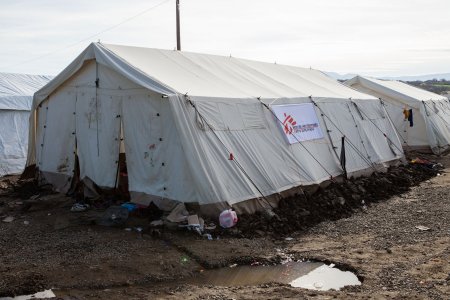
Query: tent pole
x,y
178,25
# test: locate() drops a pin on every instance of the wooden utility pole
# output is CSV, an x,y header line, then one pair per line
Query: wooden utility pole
x,y
178,26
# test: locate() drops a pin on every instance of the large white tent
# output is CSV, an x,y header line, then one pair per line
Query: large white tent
x,y
16,97
428,113
196,128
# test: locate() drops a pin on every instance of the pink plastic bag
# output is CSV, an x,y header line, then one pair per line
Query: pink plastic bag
x,y
228,218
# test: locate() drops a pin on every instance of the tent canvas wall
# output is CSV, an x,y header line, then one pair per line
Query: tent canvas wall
x,y
430,126
201,128
16,97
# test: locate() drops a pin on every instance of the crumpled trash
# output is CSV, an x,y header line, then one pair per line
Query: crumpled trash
x,y
178,214
130,206
427,163
194,223
77,207
423,228
157,223
8,219
228,218
114,216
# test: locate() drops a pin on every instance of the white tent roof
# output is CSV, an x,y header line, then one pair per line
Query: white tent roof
x,y
171,72
400,91
16,90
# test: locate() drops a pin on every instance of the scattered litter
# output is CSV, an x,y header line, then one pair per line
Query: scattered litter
x,y
157,223
128,229
8,219
228,218
178,214
288,239
130,206
77,207
114,216
208,236
19,202
233,265
26,222
210,226
423,228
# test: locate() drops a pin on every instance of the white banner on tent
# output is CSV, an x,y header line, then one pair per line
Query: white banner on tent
x,y
299,122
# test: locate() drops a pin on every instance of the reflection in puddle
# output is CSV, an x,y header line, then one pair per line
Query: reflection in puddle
x,y
326,278
38,295
310,275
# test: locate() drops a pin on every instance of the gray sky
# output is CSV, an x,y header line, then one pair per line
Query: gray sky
x,y
370,37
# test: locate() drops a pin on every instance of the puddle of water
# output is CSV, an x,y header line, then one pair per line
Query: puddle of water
x,y
38,295
310,275
326,278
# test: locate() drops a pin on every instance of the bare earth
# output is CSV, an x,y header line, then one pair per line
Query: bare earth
x,y
62,250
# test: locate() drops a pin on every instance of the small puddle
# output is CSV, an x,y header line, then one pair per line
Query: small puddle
x,y
308,275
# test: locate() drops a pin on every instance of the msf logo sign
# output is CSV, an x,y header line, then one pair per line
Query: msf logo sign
x,y
288,124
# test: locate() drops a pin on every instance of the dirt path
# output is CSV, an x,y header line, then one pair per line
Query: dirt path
x,y
59,249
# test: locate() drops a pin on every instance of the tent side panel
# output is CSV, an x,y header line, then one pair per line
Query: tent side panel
x,y
57,159
98,134
156,161
13,141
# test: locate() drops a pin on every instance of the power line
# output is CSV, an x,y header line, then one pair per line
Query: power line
x,y
89,37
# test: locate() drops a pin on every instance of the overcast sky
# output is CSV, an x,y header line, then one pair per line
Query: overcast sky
x,y
370,37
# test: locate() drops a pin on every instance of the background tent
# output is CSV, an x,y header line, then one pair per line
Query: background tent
x,y
201,128
16,97
421,118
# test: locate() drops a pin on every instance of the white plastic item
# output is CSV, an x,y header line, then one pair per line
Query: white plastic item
x,y
228,218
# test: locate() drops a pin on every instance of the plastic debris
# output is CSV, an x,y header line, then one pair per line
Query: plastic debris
x,y
208,236
130,206
8,219
228,218
178,214
26,222
210,226
288,239
77,207
423,228
156,223
233,265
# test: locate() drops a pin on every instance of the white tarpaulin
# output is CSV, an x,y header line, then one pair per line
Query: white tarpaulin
x,y
16,97
428,125
200,128
298,121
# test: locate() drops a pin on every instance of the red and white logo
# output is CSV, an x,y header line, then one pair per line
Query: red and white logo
x,y
288,124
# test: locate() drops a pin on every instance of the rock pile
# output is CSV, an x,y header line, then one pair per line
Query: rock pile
x,y
338,200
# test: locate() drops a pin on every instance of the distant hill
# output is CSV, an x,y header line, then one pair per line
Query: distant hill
x,y
426,77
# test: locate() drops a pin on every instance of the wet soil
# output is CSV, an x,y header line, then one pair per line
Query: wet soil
x,y
378,240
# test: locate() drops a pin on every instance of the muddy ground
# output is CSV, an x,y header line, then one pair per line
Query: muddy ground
x,y
47,246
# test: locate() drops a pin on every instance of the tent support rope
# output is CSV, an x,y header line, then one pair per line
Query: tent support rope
x,y
368,162
376,126
229,152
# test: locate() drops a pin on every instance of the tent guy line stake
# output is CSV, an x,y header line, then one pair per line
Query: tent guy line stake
x,y
229,152
304,147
